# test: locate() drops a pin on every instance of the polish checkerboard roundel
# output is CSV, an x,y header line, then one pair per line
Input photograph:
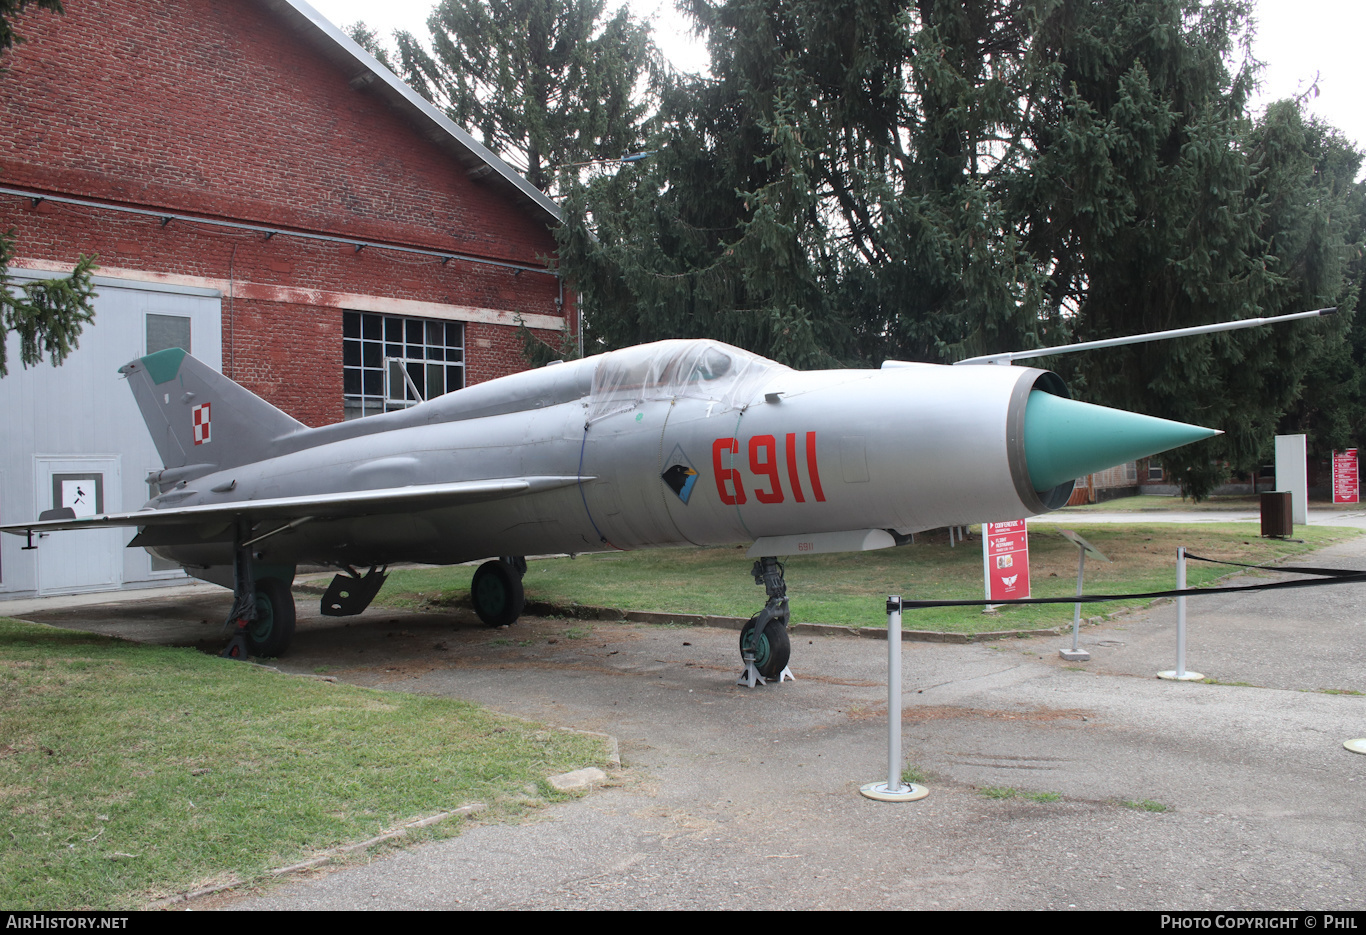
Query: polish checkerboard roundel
x,y
201,423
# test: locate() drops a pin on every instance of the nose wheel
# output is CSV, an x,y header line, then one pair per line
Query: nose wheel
x,y
765,647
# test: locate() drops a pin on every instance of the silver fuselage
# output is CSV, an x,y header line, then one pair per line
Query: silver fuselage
x,y
793,454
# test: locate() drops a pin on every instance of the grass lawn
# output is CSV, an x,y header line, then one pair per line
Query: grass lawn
x,y
851,588
130,772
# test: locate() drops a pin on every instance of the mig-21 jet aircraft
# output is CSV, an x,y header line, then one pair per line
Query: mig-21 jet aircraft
x,y
674,443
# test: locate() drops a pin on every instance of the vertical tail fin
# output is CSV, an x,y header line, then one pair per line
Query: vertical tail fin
x,y
198,417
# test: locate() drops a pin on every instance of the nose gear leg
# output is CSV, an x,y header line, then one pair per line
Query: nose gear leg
x,y
764,644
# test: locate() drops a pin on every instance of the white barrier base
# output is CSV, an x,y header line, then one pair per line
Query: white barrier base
x,y
909,792
1171,676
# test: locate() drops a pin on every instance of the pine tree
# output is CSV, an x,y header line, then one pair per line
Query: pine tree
x,y
935,179
9,9
544,83
819,198
48,315
368,39
1156,202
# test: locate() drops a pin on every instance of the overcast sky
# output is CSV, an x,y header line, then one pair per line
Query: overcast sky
x,y
1295,40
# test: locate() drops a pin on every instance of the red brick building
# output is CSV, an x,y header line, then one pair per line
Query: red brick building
x,y
262,193
336,187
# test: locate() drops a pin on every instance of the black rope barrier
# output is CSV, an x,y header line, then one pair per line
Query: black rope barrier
x,y
1330,576
1301,569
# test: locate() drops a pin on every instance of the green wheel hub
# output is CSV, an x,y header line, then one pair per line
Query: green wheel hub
x,y
763,650
264,623
273,629
772,649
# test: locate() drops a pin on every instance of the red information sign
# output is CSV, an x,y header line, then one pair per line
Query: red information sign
x,y
1345,482
1006,553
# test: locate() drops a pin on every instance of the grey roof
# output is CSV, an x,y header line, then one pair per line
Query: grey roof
x,y
364,71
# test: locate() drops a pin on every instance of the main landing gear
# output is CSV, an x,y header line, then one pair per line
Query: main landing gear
x,y
764,644
262,616
496,590
262,612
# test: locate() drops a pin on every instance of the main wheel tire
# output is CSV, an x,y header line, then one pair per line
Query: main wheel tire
x,y
273,629
773,651
497,594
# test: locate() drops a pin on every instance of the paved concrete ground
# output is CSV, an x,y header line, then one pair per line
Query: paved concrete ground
x,y
748,799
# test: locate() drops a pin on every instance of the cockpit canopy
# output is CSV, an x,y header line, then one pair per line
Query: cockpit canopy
x,y
696,369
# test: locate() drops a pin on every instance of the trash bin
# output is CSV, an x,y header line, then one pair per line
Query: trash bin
x,y
1276,520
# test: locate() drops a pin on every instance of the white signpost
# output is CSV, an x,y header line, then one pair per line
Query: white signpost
x,y
1076,654
1292,474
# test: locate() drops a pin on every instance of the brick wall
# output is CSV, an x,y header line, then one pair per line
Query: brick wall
x,y
216,108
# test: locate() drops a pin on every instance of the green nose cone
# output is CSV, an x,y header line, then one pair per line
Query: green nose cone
x,y
1065,439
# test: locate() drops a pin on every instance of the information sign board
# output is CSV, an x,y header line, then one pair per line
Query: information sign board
x,y
1346,486
1006,556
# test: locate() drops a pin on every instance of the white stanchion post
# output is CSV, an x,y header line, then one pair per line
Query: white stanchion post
x,y
894,790
1179,674
1180,612
894,694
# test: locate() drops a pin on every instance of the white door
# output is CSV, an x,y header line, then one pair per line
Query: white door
x,y
86,559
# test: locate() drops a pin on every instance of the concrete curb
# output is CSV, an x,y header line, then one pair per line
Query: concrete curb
x,y
322,859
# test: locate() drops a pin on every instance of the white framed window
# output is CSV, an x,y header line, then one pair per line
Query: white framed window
x,y
390,362
167,331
